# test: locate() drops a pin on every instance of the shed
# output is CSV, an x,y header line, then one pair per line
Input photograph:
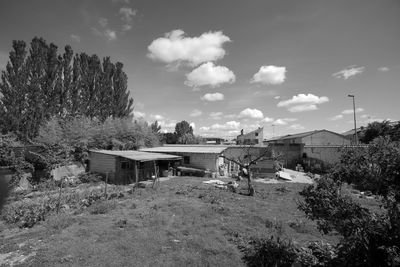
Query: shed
x,y
205,157
123,167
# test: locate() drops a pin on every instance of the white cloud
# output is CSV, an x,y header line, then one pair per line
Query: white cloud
x,y
193,125
157,117
204,128
303,102
277,97
296,127
127,14
348,72
175,47
301,108
383,69
230,125
139,114
75,37
230,116
209,74
283,121
110,34
216,115
267,119
351,111
103,22
126,27
270,75
335,118
251,113
195,113
213,97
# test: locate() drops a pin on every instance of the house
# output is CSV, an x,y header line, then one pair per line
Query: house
x,y
315,149
214,157
206,157
124,167
213,140
252,138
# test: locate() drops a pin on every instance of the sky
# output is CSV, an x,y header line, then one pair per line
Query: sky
x,y
227,65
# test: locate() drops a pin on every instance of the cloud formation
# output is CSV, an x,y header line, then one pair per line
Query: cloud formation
x,y
216,115
296,127
127,14
105,31
175,47
303,102
267,119
383,69
335,118
195,113
209,74
351,111
213,97
349,72
283,121
270,75
157,117
75,37
230,125
139,114
251,113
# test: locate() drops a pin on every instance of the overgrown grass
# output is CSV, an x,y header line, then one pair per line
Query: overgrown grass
x,y
182,223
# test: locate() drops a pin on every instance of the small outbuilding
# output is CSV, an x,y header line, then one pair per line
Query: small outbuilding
x,y
128,166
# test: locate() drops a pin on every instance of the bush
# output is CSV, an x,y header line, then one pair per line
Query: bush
x,y
59,221
369,239
269,252
27,213
89,178
102,207
375,168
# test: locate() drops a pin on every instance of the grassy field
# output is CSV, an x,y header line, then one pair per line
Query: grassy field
x,y
183,222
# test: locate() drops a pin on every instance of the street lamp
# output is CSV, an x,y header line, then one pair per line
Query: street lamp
x,y
355,123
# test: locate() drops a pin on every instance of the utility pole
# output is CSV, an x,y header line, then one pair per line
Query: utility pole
x,y
273,130
355,123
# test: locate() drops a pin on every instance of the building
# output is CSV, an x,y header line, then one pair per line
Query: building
x,y
205,157
315,149
124,167
312,138
214,157
255,137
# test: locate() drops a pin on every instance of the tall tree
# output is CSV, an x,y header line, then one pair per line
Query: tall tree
x,y
13,89
122,104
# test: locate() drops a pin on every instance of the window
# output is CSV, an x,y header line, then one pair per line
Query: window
x,y
256,134
186,160
124,165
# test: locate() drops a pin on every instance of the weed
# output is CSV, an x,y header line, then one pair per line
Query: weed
x,y
298,225
101,207
59,221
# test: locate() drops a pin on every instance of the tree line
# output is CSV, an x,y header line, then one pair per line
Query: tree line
x,y
39,83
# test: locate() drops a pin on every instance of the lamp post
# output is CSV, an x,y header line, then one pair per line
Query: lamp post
x,y
355,123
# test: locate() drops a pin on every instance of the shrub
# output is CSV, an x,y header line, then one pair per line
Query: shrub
x,y
89,177
59,221
269,252
375,168
101,207
27,213
369,239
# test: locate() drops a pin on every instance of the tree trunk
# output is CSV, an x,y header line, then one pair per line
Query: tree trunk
x,y
250,185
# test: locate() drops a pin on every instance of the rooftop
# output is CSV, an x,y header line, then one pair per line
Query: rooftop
x,y
138,155
205,149
299,135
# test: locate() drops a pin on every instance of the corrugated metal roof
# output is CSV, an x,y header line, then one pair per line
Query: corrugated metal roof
x,y
138,155
299,135
204,149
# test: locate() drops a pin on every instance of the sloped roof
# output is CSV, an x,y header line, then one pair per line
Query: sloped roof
x,y
300,135
138,155
201,149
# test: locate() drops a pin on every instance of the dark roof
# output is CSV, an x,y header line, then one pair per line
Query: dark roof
x,y
299,135
138,155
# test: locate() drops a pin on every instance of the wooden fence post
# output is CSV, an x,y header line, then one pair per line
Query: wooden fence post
x,y
105,188
59,196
